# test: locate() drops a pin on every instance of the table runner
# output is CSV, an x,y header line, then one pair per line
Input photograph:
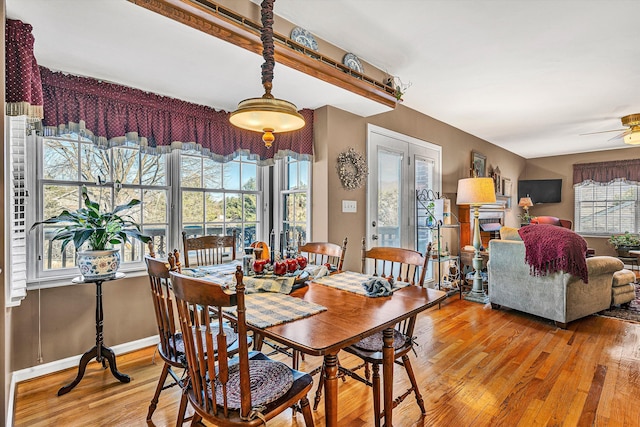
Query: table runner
x,y
223,274
268,309
352,282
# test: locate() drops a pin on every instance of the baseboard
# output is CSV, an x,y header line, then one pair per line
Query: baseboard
x,y
69,362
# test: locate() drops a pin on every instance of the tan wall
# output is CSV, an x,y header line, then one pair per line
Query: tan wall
x,y
562,167
338,130
67,319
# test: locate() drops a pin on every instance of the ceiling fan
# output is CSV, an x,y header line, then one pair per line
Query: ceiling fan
x,y
631,135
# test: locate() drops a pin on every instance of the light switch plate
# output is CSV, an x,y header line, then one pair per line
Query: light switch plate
x,y
349,206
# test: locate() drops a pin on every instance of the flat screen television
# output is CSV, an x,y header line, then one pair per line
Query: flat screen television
x,y
541,190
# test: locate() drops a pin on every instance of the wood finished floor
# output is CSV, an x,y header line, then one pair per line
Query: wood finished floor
x,y
475,366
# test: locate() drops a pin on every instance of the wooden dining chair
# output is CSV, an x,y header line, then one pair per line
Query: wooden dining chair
x,y
403,265
317,253
320,253
170,346
208,250
247,390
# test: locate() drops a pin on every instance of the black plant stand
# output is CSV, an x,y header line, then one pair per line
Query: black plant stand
x,y
99,351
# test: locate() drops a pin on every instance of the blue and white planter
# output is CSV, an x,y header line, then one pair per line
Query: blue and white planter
x,y
98,265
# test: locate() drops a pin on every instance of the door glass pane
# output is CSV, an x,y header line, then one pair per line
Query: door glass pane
x,y
389,190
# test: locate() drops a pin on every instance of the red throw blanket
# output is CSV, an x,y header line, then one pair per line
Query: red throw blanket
x,y
550,248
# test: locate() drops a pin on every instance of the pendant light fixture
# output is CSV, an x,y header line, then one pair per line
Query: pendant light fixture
x,y
267,114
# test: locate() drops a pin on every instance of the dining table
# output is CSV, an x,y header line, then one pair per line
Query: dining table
x,y
344,318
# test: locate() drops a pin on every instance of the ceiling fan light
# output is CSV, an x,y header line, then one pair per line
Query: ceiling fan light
x,y
632,138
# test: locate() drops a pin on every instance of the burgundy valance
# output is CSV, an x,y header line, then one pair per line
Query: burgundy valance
x,y
22,79
605,172
112,114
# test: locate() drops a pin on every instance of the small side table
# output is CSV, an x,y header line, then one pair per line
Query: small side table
x,y
99,351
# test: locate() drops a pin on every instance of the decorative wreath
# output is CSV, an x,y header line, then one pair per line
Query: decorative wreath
x,y
352,169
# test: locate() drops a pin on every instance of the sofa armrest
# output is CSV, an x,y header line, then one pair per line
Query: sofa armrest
x,y
603,264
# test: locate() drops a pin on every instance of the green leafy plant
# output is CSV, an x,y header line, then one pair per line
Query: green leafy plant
x,y
626,239
98,229
525,218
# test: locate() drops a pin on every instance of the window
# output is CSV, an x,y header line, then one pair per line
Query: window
x,y
218,198
112,177
605,209
179,191
294,194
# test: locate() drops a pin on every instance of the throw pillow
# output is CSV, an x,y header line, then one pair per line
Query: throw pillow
x,y
509,233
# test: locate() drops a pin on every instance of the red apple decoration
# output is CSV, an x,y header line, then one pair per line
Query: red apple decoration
x,y
302,261
292,264
280,268
258,265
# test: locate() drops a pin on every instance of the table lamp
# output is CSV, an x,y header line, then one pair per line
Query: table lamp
x,y
476,192
525,203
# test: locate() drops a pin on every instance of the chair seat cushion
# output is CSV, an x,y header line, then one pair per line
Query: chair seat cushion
x,y
232,337
375,343
269,381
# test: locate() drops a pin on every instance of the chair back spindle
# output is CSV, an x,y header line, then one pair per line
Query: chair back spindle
x,y
319,253
208,250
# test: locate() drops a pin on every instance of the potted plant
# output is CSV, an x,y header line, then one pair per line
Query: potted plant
x,y
99,231
625,242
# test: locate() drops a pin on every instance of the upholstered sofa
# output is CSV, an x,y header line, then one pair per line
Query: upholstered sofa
x,y
560,296
553,221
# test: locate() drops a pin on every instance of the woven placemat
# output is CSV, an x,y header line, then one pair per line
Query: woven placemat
x,y
270,380
375,343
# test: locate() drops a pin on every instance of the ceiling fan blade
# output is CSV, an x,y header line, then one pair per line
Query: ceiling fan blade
x,y
621,135
604,131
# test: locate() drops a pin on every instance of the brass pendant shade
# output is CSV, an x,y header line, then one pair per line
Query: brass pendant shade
x,y
267,114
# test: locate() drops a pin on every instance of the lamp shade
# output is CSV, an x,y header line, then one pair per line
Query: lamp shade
x,y
476,191
258,114
525,202
632,138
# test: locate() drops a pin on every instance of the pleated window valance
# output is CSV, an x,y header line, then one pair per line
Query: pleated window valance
x,y
111,114
605,172
22,79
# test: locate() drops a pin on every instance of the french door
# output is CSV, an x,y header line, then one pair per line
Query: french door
x,y
398,166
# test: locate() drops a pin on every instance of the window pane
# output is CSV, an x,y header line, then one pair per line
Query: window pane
x,y
250,207
289,207
304,174
233,208
215,207
292,179
154,169
249,176
212,174
231,176
60,160
95,164
56,198
154,206
102,196
190,171
126,165
125,195
192,206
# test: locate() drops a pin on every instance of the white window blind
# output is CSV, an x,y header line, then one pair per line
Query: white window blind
x,y
605,209
16,244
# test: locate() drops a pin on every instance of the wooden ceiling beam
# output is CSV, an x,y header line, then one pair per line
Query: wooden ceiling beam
x,y
223,23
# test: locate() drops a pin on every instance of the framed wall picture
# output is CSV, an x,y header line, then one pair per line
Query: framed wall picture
x,y
478,164
506,187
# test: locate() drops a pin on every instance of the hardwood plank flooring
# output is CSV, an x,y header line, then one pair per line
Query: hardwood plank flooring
x,y
475,366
